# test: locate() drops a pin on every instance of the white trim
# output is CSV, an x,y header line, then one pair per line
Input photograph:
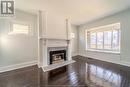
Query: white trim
x,y
125,63
103,51
17,66
29,24
120,62
74,54
104,26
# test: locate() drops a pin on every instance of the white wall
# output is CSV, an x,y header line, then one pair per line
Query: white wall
x,y
74,30
124,57
17,49
56,26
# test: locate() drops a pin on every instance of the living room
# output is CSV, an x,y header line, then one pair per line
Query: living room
x,y
61,43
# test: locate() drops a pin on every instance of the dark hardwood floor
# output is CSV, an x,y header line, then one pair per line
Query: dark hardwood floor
x,y
85,72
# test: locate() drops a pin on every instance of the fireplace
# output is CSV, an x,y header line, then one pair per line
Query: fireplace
x,y
57,56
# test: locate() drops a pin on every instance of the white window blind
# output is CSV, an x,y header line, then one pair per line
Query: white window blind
x,y
104,38
20,29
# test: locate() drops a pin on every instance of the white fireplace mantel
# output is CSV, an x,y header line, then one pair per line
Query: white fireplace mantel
x,y
45,41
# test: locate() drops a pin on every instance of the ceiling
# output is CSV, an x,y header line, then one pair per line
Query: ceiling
x,y
79,11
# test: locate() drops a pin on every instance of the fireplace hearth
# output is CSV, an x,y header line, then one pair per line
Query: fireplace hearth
x,y
57,56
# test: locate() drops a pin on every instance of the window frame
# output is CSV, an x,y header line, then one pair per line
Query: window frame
x,y
11,32
103,30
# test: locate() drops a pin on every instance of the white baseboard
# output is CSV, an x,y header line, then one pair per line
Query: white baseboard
x,y
75,54
124,63
17,66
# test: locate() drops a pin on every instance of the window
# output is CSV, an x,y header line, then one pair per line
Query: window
x,y
93,40
104,38
72,35
19,29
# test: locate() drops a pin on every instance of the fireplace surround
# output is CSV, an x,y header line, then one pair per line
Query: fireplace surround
x,y
55,54
49,41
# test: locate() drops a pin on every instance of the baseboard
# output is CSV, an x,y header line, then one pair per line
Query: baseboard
x,y
75,54
17,66
124,63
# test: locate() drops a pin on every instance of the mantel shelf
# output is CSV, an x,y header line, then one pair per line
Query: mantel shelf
x,y
45,38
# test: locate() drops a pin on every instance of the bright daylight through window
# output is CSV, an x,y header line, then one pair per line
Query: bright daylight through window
x,y
20,29
104,38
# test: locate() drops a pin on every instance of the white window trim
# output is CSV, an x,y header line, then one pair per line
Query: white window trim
x,y
103,50
21,23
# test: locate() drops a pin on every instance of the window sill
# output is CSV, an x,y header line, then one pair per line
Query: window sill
x,y
111,52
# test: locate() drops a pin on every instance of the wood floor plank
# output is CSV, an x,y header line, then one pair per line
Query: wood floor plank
x,y
85,72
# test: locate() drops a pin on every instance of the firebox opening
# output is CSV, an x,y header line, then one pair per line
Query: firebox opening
x,y
57,56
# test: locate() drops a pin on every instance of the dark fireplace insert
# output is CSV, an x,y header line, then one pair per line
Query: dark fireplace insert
x,y
57,56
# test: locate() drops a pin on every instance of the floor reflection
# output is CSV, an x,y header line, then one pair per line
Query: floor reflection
x,y
99,76
83,73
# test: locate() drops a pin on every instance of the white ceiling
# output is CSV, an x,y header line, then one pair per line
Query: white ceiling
x,y
79,11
